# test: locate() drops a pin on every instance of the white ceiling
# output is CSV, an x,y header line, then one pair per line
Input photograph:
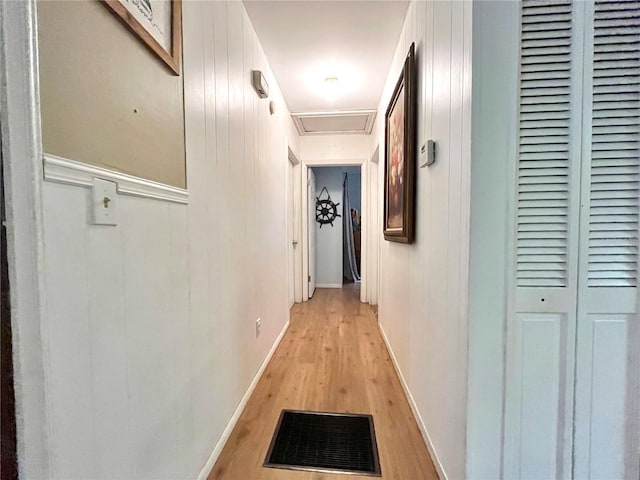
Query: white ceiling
x,y
307,41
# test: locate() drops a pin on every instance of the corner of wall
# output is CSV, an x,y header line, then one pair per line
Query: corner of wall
x,y
495,44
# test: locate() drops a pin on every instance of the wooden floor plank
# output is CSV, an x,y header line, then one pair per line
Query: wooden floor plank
x,y
331,359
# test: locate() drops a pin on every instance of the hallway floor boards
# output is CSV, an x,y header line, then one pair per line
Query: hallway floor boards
x,y
332,359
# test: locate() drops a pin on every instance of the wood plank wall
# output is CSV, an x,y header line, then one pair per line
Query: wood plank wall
x,y
150,332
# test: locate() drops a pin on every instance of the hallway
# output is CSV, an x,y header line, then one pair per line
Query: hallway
x,y
161,220
331,359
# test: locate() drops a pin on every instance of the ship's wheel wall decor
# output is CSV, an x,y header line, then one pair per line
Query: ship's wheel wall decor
x,y
326,210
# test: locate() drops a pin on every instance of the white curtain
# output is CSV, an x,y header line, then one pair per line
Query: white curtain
x,y
349,265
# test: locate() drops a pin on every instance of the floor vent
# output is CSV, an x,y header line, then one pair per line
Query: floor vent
x,y
324,442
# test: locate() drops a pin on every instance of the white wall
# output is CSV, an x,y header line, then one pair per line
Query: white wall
x,y
149,336
334,149
423,287
329,238
495,73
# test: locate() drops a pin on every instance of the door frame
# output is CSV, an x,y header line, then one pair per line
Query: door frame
x,y
23,172
364,180
292,195
372,230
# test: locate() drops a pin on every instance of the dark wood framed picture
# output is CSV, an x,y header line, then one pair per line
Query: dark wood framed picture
x,y
400,156
157,23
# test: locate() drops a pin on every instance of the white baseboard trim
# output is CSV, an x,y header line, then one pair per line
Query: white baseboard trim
x,y
414,409
70,172
208,466
328,285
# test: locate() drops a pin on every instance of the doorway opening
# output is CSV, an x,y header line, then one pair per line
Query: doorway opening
x,y
8,443
334,209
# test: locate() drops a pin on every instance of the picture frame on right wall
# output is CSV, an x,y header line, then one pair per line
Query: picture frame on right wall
x,y
400,156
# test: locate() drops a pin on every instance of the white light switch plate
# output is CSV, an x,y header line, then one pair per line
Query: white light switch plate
x,y
105,202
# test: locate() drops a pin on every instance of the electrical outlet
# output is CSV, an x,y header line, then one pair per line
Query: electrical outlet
x,y
258,327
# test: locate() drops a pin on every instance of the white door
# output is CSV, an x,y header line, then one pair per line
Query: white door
x,y
607,398
311,185
573,363
292,240
542,323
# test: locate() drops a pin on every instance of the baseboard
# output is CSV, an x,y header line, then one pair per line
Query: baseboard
x,y
208,466
328,285
414,409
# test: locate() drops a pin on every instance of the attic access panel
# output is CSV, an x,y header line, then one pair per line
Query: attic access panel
x,y
334,123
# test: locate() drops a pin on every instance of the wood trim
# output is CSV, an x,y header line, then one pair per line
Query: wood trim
x,y
71,172
293,159
22,163
171,59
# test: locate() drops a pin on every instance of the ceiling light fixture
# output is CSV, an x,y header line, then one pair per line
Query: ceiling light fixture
x,y
331,87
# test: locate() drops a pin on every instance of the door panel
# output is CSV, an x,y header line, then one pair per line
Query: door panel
x,y
539,429
291,231
312,231
607,411
542,321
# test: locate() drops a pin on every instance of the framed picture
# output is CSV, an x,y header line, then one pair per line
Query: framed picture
x,y
157,23
400,156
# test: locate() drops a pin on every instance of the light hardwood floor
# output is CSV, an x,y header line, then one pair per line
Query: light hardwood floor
x,y
331,359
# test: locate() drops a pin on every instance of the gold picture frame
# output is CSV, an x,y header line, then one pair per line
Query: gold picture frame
x,y
150,27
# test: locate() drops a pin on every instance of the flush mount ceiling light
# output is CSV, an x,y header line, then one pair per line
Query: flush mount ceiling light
x,y
331,87
330,80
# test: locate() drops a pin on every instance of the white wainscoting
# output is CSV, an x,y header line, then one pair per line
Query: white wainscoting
x,y
149,336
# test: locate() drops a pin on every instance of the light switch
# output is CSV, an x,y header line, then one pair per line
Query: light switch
x,y
105,202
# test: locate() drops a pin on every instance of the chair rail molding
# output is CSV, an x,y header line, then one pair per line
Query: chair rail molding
x,y
71,172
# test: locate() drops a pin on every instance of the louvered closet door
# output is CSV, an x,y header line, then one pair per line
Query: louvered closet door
x,y
607,430
542,323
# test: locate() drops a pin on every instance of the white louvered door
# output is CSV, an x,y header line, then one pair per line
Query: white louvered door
x,y
541,330
607,413
571,406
